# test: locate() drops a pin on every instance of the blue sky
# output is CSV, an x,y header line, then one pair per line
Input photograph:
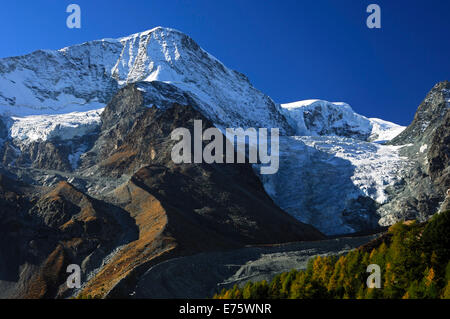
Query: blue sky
x,y
290,49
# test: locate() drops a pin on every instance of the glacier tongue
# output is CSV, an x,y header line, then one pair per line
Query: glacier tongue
x,y
322,180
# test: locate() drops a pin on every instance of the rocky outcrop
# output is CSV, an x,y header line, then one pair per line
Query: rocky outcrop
x,y
428,117
439,161
42,234
179,209
423,188
3,128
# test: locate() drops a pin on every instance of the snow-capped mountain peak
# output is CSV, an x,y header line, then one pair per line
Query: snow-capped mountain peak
x,y
84,77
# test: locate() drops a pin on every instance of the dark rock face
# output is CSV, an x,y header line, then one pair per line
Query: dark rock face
x,y
439,161
213,198
3,128
316,117
8,153
428,117
194,207
53,154
439,153
47,155
230,198
42,234
424,188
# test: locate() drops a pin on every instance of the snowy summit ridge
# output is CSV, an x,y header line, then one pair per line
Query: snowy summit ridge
x,y
84,77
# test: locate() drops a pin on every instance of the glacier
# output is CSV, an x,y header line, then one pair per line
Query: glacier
x,y
335,171
322,179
